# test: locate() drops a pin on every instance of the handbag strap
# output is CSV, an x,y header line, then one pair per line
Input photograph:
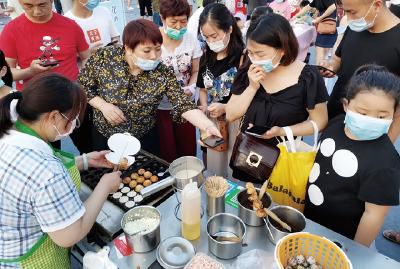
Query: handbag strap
x,y
316,132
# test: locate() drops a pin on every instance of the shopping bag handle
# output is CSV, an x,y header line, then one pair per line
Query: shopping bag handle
x,y
290,137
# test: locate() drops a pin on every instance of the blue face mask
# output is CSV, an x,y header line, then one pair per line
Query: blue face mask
x,y
359,25
144,64
2,83
91,4
174,33
267,65
365,127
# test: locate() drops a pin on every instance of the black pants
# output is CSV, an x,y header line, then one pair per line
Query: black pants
x,y
82,136
145,5
395,9
149,142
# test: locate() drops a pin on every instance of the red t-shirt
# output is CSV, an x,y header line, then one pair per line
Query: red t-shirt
x,y
59,39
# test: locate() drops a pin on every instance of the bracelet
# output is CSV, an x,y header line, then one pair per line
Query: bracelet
x,y
85,161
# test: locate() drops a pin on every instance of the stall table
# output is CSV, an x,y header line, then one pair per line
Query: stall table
x,y
306,35
256,238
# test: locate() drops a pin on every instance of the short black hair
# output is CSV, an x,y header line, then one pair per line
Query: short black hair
x,y
304,3
374,77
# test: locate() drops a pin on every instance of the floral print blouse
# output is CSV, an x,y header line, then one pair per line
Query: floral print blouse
x,y
107,75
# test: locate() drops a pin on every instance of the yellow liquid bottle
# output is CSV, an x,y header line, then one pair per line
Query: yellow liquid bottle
x,y
191,199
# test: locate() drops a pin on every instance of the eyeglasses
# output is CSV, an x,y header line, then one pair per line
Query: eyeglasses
x,y
78,122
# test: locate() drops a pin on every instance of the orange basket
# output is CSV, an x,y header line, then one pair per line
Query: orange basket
x,y
325,252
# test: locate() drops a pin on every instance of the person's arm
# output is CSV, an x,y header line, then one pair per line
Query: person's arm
x,y
111,113
239,103
319,115
190,89
72,234
197,118
26,73
203,99
326,14
84,56
370,223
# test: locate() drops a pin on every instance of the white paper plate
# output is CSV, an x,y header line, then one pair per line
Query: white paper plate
x,y
114,158
124,143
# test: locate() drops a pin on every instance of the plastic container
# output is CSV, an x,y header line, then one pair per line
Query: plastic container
x,y
191,199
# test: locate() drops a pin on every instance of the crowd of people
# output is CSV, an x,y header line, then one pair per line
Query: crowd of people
x,y
213,69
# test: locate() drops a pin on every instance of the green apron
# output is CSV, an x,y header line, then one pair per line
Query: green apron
x,y
45,253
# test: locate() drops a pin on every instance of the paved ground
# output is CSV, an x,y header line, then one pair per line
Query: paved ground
x,y
392,221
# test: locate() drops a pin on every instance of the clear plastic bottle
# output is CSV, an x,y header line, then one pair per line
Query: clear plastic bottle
x,y
191,206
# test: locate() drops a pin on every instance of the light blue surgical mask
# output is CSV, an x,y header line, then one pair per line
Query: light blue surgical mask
x,y
279,1
361,24
267,64
91,4
144,64
175,33
2,83
365,127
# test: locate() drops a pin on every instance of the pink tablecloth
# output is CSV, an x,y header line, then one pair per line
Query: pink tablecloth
x,y
306,35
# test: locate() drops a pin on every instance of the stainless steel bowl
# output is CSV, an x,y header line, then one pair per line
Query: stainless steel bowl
x,y
185,170
294,218
249,215
227,225
142,242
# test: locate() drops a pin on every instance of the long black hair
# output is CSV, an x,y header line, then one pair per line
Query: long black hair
x,y
42,94
374,77
8,79
219,15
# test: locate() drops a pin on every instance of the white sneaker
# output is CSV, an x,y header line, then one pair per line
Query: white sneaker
x,y
130,8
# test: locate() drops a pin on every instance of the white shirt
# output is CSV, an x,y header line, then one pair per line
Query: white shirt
x,y
181,61
193,23
17,6
98,27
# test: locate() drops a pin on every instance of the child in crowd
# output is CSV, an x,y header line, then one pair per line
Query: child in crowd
x,y
356,175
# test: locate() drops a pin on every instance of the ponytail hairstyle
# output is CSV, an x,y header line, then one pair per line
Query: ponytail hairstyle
x,y
374,77
8,79
220,16
43,94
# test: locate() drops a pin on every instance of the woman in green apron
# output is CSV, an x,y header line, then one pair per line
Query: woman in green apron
x,y
41,215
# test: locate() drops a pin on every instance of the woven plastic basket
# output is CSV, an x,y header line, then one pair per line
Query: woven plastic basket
x,y
325,252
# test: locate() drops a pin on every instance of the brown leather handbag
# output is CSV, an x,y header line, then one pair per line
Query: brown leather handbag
x,y
327,26
254,156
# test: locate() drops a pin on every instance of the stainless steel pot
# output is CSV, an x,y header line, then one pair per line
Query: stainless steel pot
x,y
185,170
249,215
294,218
226,225
142,242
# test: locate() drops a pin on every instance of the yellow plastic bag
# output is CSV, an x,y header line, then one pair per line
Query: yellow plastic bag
x,y
288,181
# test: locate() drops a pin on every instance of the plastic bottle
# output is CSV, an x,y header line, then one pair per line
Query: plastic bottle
x,y
191,199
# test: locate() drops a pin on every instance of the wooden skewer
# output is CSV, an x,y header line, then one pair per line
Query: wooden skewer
x,y
263,190
277,219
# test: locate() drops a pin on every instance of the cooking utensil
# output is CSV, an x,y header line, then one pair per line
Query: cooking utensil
x,y
263,190
185,170
225,225
142,242
156,187
277,219
215,205
289,215
227,239
245,208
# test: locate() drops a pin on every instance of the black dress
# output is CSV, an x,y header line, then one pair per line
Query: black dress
x,y
284,108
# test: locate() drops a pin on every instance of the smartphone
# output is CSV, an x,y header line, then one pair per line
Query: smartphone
x,y
324,69
112,43
213,141
49,63
257,130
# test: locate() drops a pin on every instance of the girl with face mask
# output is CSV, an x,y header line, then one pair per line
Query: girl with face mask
x,y
273,89
218,68
181,51
356,174
125,85
34,173
6,78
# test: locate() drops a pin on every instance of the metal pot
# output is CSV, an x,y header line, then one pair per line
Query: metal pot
x,y
249,215
142,242
227,225
185,170
294,218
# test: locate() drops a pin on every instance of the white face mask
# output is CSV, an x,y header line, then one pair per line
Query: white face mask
x,y
74,124
218,46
